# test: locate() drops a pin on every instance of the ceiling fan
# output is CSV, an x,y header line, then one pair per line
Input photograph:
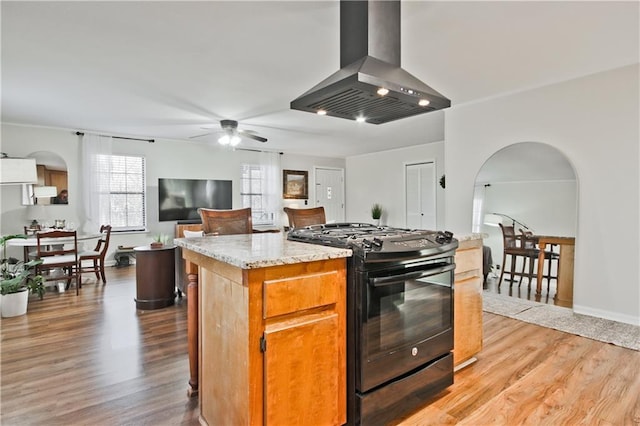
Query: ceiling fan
x,y
231,135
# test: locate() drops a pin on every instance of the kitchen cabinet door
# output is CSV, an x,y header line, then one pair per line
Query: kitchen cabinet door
x,y
302,358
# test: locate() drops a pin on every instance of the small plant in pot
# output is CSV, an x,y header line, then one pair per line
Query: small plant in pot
x,y
376,212
159,241
17,280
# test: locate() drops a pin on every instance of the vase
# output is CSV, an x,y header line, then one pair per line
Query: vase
x,y
14,304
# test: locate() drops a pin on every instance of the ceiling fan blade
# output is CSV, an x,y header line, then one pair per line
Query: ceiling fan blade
x,y
252,136
199,136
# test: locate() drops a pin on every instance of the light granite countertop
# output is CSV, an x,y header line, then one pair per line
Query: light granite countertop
x,y
470,236
249,251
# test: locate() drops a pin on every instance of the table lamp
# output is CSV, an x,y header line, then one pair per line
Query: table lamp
x,y
493,219
45,192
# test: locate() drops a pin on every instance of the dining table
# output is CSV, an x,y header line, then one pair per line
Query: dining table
x,y
564,291
32,241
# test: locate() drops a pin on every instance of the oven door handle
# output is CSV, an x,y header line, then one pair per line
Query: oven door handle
x,y
382,281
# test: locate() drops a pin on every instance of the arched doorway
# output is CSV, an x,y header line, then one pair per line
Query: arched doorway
x,y
533,186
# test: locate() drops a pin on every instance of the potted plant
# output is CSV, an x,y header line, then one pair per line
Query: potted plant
x,y
159,241
17,280
376,212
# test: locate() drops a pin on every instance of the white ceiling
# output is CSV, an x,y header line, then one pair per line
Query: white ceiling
x,y
166,69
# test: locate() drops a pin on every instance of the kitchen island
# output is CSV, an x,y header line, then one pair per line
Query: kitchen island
x,y
266,329
467,301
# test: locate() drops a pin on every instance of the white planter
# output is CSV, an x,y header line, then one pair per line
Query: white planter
x,y
14,304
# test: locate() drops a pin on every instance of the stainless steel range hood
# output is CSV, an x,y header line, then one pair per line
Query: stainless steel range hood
x,y
370,61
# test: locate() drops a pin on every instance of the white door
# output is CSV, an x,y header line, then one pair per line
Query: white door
x,y
420,192
330,192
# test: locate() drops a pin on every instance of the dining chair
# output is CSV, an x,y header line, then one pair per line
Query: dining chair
x,y
58,257
226,222
96,256
191,230
514,248
299,218
30,252
531,242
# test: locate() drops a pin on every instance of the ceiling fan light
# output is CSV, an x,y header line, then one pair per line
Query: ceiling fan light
x,y
234,140
224,140
423,102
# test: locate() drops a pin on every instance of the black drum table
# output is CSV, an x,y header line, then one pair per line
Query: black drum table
x,y
155,277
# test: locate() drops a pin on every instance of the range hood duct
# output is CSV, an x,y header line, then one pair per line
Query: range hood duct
x,y
370,60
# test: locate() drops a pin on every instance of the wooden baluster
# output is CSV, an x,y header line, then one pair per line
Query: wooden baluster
x,y
192,327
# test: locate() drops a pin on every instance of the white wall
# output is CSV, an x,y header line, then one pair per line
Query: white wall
x,y
594,121
379,178
164,159
301,162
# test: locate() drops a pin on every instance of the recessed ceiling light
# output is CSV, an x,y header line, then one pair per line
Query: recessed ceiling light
x,y
423,102
321,112
382,91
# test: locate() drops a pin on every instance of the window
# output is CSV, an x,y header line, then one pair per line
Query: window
x,y
121,191
253,181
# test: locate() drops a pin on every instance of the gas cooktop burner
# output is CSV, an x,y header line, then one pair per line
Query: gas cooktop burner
x,y
366,239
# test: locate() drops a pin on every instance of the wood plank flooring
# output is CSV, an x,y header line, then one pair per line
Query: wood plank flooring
x,y
94,359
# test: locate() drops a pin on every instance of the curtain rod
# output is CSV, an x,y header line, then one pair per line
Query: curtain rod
x,y
122,137
255,150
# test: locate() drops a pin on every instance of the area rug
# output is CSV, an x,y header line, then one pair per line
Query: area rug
x,y
563,319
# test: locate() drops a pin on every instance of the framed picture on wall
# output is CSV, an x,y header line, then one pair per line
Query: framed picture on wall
x,y
295,184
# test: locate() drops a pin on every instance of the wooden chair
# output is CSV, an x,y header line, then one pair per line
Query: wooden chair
x,y
96,256
226,222
185,231
30,252
55,257
514,248
530,242
299,218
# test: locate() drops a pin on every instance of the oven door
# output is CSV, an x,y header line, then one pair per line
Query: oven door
x,y
406,321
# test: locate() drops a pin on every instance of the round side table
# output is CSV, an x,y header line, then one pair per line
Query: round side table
x,y
155,277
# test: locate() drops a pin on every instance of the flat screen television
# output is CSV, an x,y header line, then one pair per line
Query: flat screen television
x,y
179,199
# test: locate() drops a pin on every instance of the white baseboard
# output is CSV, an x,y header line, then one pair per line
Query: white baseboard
x,y
600,313
112,263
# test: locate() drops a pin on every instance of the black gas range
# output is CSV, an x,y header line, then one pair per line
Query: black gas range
x,y
377,243
399,315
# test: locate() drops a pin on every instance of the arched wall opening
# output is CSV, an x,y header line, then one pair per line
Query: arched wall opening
x,y
535,185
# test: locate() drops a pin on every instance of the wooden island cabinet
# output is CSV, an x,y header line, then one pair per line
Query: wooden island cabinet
x,y
271,330
467,302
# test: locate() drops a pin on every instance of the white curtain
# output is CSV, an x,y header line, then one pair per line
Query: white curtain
x,y
95,180
272,198
478,207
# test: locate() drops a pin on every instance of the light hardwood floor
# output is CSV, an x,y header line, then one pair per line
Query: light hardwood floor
x,y
94,360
